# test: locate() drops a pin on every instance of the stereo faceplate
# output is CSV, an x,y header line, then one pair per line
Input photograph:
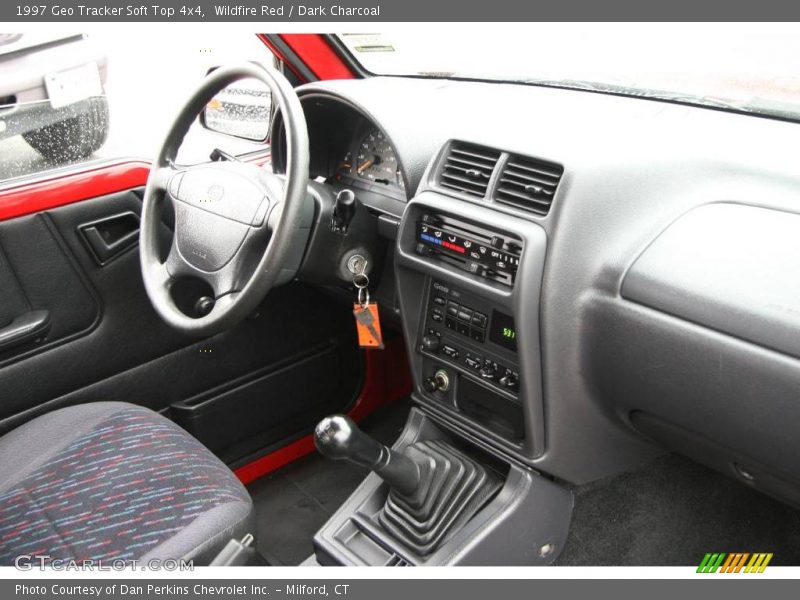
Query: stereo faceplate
x,y
465,330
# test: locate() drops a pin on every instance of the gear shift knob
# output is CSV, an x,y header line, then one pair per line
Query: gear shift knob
x,y
338,437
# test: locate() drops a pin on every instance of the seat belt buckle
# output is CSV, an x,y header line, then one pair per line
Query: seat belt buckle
x,y
235,553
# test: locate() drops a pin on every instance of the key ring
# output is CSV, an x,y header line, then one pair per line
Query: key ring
x,y
360,280
363,296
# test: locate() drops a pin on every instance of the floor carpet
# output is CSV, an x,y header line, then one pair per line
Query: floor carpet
x,y
672,511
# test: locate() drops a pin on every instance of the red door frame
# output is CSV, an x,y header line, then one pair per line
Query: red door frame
x,y
75,186
310,56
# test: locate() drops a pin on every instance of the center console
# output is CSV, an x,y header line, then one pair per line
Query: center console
x,y
469,282
459,486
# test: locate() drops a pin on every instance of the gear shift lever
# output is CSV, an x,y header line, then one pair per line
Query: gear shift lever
x,y
338,437
434,488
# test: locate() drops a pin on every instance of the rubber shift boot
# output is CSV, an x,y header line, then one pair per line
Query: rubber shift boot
x,y
437,480
453,488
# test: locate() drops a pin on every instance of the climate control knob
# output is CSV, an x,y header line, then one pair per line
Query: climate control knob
x,y
488,372
509,382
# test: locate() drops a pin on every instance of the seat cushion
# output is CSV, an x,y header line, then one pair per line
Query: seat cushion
x,y
110,480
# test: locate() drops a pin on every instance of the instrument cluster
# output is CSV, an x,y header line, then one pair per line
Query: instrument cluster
x,y
372,160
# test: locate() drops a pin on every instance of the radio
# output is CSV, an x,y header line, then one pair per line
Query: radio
x,y
469,247
467,331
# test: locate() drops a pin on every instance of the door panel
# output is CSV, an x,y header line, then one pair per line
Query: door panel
x,y
41,274
13,302
107,343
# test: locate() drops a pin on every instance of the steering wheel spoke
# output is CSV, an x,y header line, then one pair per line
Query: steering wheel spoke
x,y
161,176
224,302
158,277
222,282
174,264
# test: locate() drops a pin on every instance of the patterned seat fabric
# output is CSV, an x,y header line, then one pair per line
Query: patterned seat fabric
x,y
119,490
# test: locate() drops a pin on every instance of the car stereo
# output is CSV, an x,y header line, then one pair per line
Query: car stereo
x,y
465,330
470,247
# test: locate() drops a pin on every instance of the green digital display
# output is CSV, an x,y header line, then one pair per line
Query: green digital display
x,y
502,330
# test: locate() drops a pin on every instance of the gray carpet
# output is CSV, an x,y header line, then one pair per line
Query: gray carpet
x,y
670,513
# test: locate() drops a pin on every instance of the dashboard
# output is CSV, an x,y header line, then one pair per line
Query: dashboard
x,y
614,321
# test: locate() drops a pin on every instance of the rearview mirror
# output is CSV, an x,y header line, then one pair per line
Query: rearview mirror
x,y
241,110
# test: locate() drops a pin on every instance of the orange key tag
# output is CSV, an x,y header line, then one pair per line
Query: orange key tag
x,y
368,325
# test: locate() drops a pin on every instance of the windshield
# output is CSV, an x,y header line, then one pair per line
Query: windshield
x,y
744,67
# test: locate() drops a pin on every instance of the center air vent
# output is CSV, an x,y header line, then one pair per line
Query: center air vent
x,y
467,168
528,184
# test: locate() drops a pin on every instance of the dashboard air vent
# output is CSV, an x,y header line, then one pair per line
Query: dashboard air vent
x,y
467,168
528,184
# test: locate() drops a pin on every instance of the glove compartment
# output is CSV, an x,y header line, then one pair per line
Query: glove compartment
x,y
702,350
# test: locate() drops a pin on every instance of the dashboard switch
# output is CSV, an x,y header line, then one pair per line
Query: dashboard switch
x,y
479,319
472,363
452,309
478,335
449,351
464,314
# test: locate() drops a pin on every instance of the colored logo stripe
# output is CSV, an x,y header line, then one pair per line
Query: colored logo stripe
x,y
758,563
734,562
711,562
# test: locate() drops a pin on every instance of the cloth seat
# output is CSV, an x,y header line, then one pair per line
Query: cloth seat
x,y
110,480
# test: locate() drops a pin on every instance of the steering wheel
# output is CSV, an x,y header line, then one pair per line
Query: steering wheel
x,y
234,222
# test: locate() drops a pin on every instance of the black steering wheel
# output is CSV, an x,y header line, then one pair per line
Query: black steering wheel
x,y
234,222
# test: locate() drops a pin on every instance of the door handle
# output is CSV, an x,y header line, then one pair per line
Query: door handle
x,y
110,237
26,327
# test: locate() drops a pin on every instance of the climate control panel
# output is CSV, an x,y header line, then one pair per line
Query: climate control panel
x,y
473,248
